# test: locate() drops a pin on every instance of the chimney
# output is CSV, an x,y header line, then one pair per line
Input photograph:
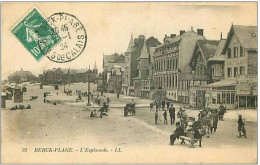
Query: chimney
x,y
181,32
221,36
200,32
173,35
141,37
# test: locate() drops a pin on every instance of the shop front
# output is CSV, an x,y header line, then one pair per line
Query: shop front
x,y
222,92
246,91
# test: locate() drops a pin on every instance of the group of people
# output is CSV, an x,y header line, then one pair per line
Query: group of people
x,y
207,123
160,105
21,107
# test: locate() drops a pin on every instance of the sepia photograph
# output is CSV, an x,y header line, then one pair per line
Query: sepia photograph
x,y
129,82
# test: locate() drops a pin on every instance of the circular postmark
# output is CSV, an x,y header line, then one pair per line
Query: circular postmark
x,y
71,33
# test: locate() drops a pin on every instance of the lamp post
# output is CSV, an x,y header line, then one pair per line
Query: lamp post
x,y
88,73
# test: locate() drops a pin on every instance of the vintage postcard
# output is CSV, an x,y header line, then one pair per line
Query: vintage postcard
x,y
129,82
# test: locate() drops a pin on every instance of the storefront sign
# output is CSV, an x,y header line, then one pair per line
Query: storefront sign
x,y
246,85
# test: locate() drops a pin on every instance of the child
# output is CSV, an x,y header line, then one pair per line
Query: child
x,y
156,116
165,117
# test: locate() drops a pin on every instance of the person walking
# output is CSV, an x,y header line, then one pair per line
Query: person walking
x,y
157,106
165,117
163,105
172,114
108,100
156,117
240,125
151,106
44,97
214,117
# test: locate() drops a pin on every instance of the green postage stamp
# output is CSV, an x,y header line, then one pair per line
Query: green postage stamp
x,y
37,36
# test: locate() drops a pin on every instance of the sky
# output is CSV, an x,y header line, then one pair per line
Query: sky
x,y
109,26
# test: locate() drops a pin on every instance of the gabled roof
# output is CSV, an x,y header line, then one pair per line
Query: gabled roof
x,y
218,56
120,59
220,48
208,48
247,36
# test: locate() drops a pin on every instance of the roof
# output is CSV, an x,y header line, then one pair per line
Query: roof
x,y
223,83
120,59
208,48
64,71
109,58
220,47
247,36
218,56
130,45
144,53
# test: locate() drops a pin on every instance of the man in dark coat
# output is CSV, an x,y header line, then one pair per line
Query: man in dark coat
x,y
240,124
179,131
172,114
163,105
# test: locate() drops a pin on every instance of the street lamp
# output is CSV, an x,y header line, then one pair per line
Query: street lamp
x,y
89,72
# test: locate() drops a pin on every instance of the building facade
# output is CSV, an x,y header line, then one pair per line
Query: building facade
x,y
172,70
238,89
204,50
132,61
112,72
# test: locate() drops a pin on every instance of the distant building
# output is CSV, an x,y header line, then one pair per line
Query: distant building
x,y
21,76
112,72
172,70
99,82
67,76
143,83
204,50
131,70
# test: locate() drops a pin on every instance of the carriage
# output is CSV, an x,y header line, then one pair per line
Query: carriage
x,y
129,108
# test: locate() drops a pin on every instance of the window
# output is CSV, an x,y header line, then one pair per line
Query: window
x,y
229,70
241,51
235,52
228,98
232,98
223,98
242,70
218,98
235,71
229,53
213,101
212,71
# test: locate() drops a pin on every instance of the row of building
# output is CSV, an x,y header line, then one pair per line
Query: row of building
x,y
67,75
188,68
22,76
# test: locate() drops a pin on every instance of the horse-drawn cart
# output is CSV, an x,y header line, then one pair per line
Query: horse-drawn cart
x,y
129,108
